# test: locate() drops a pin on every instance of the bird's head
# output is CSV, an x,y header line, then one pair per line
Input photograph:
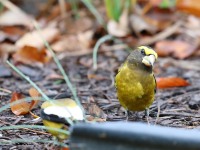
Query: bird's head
x,y
149,55
142,57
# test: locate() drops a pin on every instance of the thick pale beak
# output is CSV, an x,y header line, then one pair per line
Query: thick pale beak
x,y
149,60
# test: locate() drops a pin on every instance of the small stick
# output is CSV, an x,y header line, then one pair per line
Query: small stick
x,y
62,8
162,35
158,113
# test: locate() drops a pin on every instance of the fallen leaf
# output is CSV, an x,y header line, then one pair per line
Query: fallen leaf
x,y
192,22
96,77
21,108
121,28
170,82
6,49
95,111
29,55
13,33
33,115
3,36
67,43
143,25
78,25
178,49
95,119
65,148
34,38
34,93
189,6
11,18
160,18
85,38
54,76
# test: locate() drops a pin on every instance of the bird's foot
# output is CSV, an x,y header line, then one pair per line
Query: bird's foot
x,y
127,113
147,115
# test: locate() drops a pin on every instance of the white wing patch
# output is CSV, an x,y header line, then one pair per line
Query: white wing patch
x,y
65,112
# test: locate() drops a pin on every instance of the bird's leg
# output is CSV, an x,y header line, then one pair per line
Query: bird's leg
x,y
127,113
147,114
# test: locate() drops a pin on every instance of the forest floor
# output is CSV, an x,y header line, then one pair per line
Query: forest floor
x,y
176,107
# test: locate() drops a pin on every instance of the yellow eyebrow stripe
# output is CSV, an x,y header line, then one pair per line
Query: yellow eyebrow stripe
x,y
148,51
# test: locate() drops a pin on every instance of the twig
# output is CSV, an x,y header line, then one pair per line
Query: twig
x,y
12,127
89,51
5,90
162,35
179,114
62,8
32,141
158,113
40,132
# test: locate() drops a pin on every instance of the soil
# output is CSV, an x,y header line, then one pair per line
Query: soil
x,y
176,107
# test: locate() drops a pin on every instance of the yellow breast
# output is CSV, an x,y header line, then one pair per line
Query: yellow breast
x,y
135,88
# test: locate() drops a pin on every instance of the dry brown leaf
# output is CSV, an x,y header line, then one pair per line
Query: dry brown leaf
x,y
11,18
95,111
3,36
68,43
96,77
170,82
21,108
65,148
54,76
189,6
121,28
34,93
13,32
160,19
34,38
33,115
78,25
177,48
86,38
143,25
6,49
192,22
29,55
8,36
95,119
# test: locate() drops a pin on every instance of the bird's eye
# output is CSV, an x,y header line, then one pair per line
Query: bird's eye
x,y
143,52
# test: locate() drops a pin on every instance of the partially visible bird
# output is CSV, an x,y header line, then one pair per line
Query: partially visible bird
x,y
135,81
57,113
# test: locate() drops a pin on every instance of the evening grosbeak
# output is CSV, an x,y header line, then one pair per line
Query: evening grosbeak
x,y
135,81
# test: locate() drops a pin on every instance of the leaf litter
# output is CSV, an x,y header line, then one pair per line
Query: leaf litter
x,y
73,41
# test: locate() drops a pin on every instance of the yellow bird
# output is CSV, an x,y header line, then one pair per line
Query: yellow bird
x,y
135,81
56,113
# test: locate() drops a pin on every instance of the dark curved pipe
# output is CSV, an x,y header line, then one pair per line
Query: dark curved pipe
x,y
128,136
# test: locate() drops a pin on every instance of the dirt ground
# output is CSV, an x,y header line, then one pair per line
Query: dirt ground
x,y
176,107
